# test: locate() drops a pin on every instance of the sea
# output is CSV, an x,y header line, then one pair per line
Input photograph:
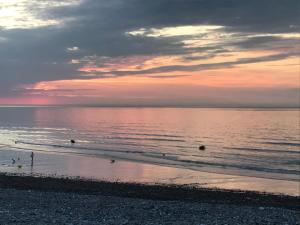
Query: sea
x,y
245,142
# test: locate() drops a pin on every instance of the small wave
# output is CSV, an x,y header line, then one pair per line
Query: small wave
x,y
244,167
131,144
146,139
148,134
79,148
111,150
281,143
33,128
264,150
277,160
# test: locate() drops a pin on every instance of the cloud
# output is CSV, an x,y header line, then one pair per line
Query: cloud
x,y
48,40
267,42
23,13
251,16
199,67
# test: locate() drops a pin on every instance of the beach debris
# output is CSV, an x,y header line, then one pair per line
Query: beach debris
x,y
112,161
202,147
72,141
13,161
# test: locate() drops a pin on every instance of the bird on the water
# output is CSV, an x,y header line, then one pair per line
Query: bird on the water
x,y
202,147
72,141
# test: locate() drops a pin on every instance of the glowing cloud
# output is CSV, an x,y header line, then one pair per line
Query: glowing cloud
x,y
24,13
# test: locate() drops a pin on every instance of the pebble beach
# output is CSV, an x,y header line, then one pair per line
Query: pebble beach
x,y
38,200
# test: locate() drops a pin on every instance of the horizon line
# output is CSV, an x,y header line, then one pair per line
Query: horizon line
x,y
149,106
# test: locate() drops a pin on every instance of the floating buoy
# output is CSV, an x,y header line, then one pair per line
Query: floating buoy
x,y
19,166
72,141
13,161
202,147
112,161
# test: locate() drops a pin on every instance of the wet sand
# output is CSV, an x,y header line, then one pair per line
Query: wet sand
x,y
57,165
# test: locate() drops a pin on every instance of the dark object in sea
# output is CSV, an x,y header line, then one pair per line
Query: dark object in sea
x,y
16,142
72,141
202,147
112,161
164,154
13,161
32,156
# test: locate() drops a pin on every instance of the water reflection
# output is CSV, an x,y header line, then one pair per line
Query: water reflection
x,y
126,171
247,142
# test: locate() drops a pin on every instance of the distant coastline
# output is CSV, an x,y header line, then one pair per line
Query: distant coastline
x,y
156,106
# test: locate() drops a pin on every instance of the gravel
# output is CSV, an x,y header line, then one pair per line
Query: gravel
x,y
41,207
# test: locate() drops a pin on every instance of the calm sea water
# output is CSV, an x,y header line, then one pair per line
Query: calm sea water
x,y
250,142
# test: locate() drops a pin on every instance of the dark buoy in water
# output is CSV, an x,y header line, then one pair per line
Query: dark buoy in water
x,y
112,161
13,161
72,141
202,147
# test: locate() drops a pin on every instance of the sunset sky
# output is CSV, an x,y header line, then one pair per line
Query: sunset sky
x,y
150,53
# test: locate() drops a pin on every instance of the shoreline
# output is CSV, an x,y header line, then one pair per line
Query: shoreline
x,y
161,192
218,170
101,168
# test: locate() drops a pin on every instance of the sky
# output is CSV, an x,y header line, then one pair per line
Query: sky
x,y
219,53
